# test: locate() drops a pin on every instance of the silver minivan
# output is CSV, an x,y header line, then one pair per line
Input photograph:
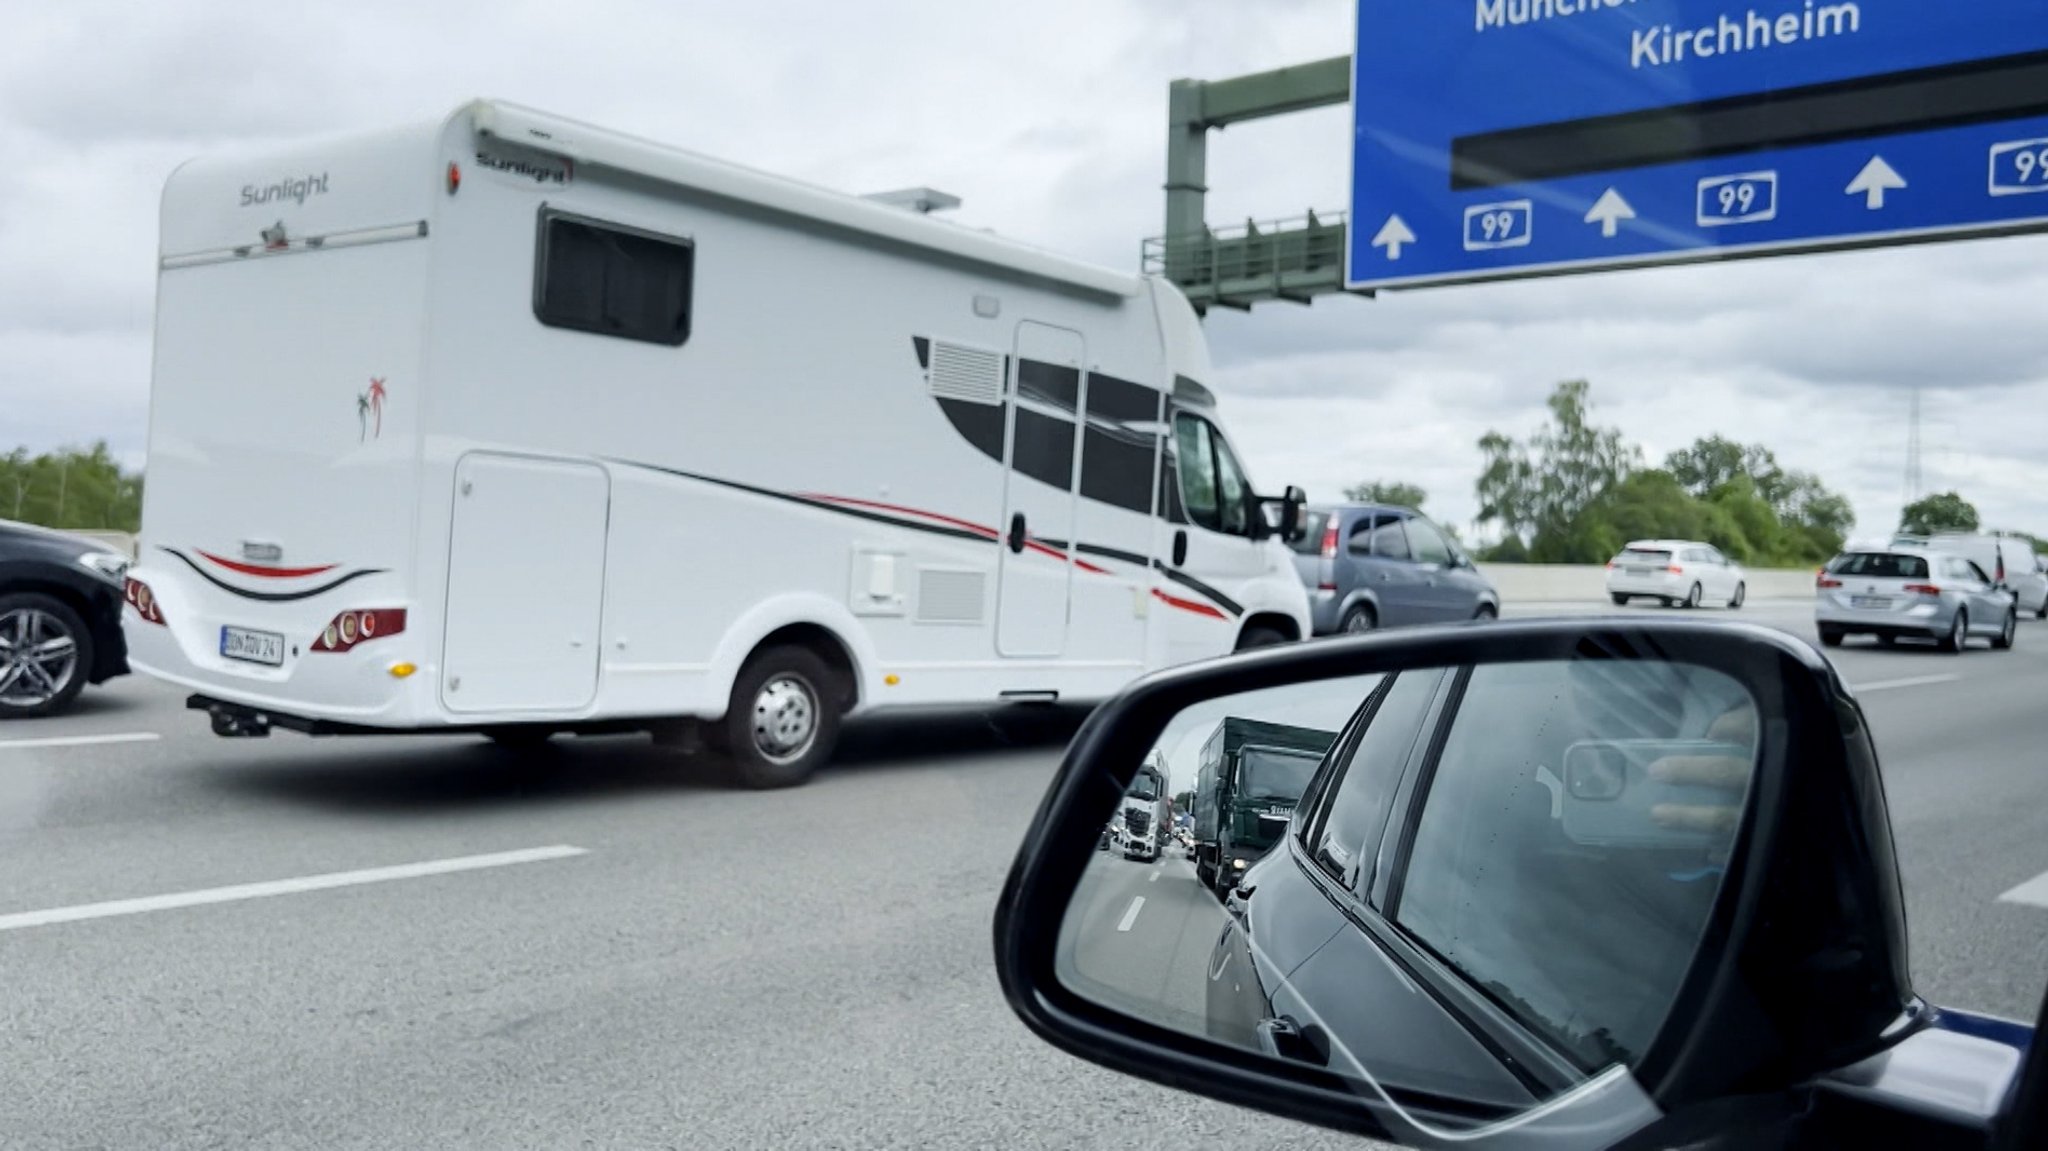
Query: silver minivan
x,y
1910,593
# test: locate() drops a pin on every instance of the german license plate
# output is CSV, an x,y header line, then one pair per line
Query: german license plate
x,y
1869,601
1638,571
265,647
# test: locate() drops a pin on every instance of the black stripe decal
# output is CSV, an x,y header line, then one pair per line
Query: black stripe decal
x,y
269,596
1187,581
770,493
1113,554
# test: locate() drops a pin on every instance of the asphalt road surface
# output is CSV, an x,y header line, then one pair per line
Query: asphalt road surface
x,y
418,942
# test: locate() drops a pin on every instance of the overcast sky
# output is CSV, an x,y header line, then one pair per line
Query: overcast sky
x,y
1049,119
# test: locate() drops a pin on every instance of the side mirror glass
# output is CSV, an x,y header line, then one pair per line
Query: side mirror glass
x,y
1441,885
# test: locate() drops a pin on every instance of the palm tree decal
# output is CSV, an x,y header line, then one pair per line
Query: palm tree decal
x,y
370,406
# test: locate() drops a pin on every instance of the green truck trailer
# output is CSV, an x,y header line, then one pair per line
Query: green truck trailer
x,y
1252,774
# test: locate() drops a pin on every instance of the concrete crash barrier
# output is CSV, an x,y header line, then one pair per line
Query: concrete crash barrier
x,y
1571,583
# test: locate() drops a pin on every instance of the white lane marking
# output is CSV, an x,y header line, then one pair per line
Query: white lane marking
x,y
1131,916
1152,878
281,887
80,740
1909,681
2034,891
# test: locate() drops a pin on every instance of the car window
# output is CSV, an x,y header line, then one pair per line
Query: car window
x,y
1427,542
1880,565
1196,462
1583,942
1641,556
1233,491
1362,791
1389,541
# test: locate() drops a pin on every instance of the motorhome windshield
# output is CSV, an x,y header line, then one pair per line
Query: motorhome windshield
x,y
1273,773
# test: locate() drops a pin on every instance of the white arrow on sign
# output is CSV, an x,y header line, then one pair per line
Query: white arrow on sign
x,y
1876,178
1393,234
1609,211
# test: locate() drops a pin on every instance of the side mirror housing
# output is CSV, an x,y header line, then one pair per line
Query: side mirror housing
x,y
1715,780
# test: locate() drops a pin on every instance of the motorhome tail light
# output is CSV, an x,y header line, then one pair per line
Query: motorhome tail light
x,y
1921,589
454,177
143,601
353,627
1826,581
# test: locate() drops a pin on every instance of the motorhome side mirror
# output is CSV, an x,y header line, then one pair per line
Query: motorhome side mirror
x,y
1573,882
1294,520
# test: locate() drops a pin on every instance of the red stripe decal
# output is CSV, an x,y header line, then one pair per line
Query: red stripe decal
x,y
991,533
1187,604
267,573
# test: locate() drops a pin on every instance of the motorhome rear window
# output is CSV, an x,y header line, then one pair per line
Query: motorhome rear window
x,y
612,280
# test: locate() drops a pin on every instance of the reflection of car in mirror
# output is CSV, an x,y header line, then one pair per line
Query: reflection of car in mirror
x,y
1252,774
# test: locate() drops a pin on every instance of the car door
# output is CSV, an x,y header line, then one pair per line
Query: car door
x,y
1378,550
1988,601
1442,597
1213,553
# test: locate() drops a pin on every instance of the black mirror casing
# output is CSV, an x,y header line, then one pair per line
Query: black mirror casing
x,y
1802,968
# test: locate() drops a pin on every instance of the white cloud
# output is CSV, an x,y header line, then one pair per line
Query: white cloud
x,y
1050,120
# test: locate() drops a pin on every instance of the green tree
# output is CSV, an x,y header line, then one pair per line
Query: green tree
x,y
70,488
1811,520
1940,512
1510,550
1395,492
1543,488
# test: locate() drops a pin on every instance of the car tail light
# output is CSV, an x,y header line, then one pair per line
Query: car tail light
x,y
1674,569
1826,580
1921,589
143,601
353,627
1329,580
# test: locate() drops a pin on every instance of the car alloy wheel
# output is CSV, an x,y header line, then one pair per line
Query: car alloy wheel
x,y
38,658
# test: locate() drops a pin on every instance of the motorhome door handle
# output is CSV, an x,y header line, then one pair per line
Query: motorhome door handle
x,y
1017,532
1180,548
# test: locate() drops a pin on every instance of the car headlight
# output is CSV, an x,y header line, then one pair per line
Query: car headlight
x,y
110,566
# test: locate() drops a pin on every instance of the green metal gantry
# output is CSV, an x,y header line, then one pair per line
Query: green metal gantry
x,y
1236,267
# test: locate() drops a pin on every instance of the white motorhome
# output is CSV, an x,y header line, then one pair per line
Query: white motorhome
x,y
510,424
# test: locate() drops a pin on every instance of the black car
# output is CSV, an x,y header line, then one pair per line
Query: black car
x,y
60,618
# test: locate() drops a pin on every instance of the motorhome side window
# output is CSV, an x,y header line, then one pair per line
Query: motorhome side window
x,y
1212,486
613,281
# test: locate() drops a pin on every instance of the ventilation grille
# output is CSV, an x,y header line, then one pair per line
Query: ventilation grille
x,y
950,595
969,374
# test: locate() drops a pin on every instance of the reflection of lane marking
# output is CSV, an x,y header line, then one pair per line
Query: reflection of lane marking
x,y
1909,681
282,887
1131,916
80,740
2033,892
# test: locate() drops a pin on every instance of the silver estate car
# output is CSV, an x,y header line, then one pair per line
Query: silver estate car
x,y
1894,593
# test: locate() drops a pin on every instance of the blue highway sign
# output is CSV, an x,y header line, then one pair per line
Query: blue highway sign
x,y
1495,139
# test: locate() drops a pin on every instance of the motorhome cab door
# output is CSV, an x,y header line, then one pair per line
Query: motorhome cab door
x,y
1041,468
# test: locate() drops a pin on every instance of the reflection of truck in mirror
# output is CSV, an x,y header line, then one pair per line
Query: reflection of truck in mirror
x,y
1252,775
1139,828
